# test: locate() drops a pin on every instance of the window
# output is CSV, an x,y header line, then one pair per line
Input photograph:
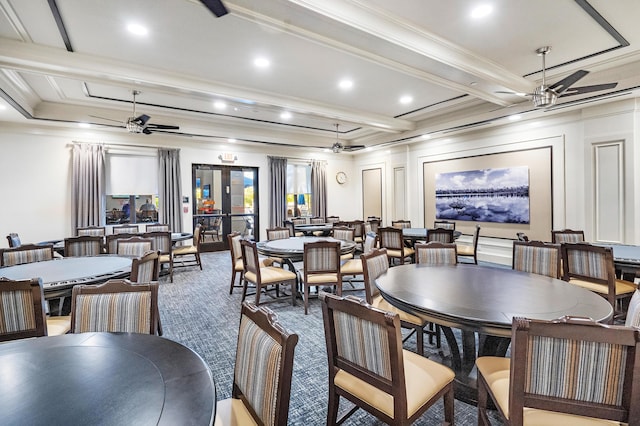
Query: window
x,y
298,190
131,187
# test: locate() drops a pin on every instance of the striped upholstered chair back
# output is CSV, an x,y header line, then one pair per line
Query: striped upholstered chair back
x,y
367,365
263,369
567,236
26,253
570,365
21,309
125,229
374,264
115,306
537,257
111,241
85,245
444,224
133,246
401,224
145,268
92,230
278,233
592,267
316,220
343,233
157,227
436,253
440,235
633,312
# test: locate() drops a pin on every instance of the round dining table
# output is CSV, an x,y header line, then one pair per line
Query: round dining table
x,y
310,228
292,249
104,378
482,301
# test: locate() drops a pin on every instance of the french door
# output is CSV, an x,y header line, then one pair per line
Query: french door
x,y
225,200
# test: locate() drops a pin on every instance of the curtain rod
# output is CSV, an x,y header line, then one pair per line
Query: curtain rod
x,y
308,160
116,144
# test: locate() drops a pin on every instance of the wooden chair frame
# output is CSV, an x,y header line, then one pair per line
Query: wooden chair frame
x,y
400,224
436,245
125,229
137,262
396,387
556,236
537,245
111,241
118,286
161,242
157,227
463,251
133,240
89,230
444,224
329,271
571,329
235,258
441,235
96,240
34,287
193,250
400,246
26,247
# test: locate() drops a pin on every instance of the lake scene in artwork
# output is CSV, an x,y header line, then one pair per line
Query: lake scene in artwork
x,y
486,195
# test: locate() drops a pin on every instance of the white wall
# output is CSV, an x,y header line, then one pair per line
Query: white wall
x,y
35,175
571,135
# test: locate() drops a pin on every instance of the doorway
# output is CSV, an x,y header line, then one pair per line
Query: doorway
x,y
225,200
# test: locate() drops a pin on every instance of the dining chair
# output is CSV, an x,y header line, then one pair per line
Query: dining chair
x,y
536,257
91,230
22,313
263,277
358,232
353,267
400,224
146,268
290,227
569,371
111,241
212,231
83,245
633,311
14,240
161,242
157,227
369,368
444,224
333,219
125,229
436,253
188,255
376,263
262,373
278,233
344,233
592,267
321,268
237,265
471,251
133,246
374,225
26,253
440,235
317,220
298,221
567,236
391,239
116,306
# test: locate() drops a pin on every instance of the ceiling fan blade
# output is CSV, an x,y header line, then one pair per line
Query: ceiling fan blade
x,y
105,118
561,86
505,92
142,119
216,7
353,147
587,89
162,126
146,131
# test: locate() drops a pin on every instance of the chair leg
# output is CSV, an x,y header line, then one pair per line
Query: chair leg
x,y
258,291
332,410
448,405
306,299
244,290
293,293
420,341
198,260
483,419
233,281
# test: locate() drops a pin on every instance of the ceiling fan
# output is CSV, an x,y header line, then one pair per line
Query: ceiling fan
x,y
339,147
545,96
140,124
216,7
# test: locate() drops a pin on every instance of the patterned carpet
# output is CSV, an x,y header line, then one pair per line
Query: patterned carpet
x,y
197,311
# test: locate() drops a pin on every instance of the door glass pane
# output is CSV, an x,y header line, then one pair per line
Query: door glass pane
x,y
242,201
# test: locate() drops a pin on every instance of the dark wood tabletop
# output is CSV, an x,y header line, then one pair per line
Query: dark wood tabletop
x,y
310,228
421,233
481,302
104,378
293,248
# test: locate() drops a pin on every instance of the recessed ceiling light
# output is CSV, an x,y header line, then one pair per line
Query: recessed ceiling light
x,y
137,29
368,149
84,125
285,115
231,140
219,105
261,62
406,99
345,84
425,136
515,117
481,11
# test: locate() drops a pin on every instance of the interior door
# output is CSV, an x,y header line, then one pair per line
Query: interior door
x,y
225,200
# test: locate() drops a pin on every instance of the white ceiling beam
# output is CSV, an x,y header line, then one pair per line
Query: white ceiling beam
x,y
50,61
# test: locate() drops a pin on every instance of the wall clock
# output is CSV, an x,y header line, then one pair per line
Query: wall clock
x,y
341,177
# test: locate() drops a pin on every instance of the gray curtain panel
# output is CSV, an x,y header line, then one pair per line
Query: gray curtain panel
x,y
170,211
319,188
277,191
88,185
